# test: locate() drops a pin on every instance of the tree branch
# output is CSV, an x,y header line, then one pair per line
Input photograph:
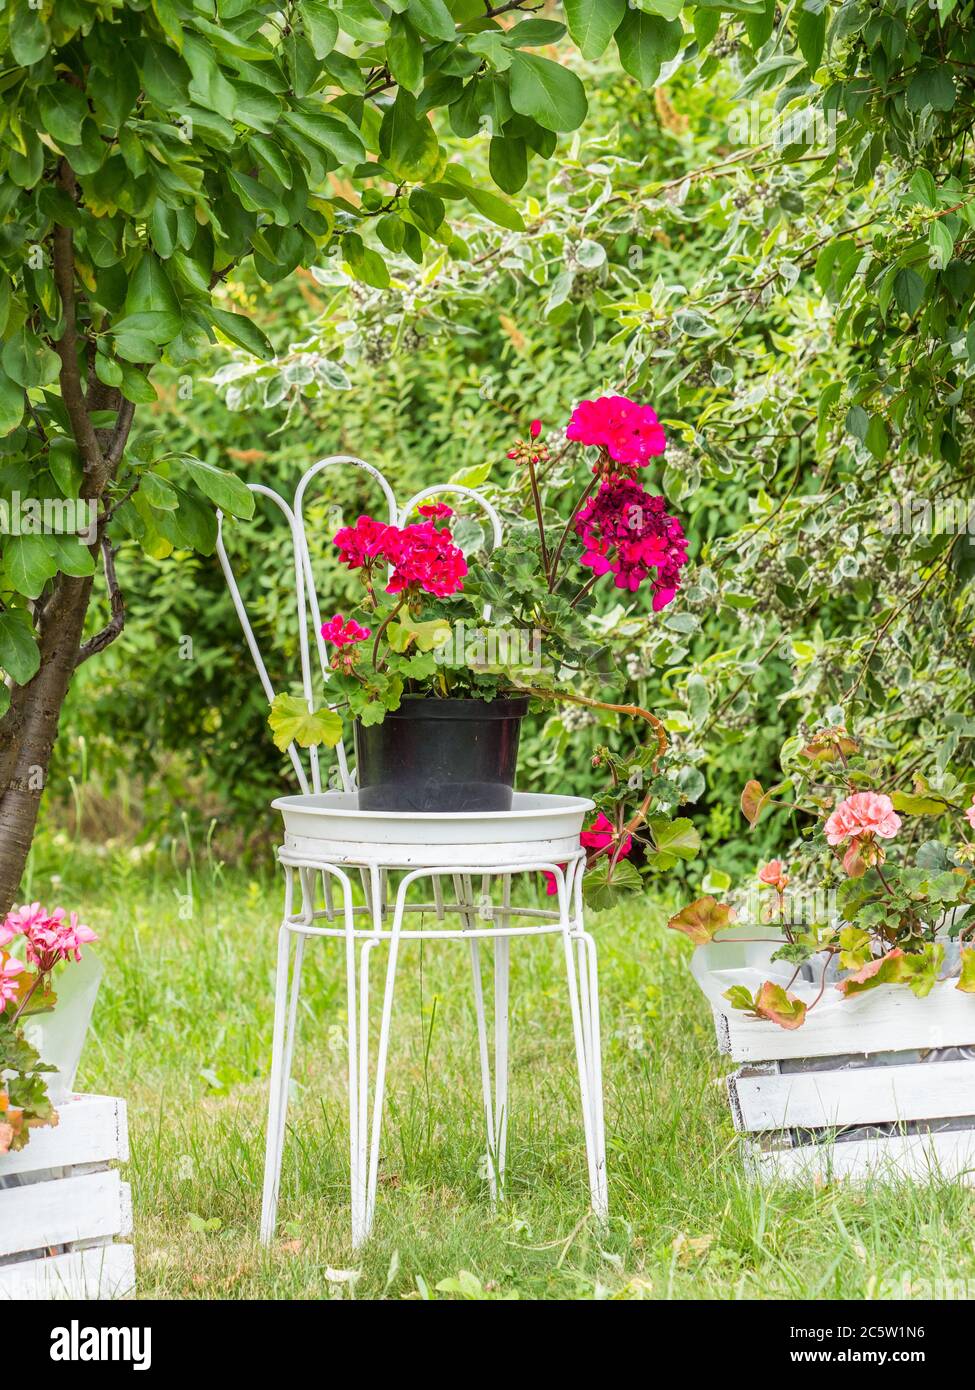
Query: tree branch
x,y
72,391
116,622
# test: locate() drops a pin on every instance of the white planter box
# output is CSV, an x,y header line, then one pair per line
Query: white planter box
x,y
62,1205
881,1085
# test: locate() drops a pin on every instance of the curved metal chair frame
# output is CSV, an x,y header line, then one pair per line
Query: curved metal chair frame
x,y
377,921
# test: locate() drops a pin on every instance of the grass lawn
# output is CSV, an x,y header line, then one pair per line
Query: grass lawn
x,y
182,1031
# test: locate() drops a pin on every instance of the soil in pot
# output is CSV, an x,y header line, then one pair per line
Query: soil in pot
x,y
440,755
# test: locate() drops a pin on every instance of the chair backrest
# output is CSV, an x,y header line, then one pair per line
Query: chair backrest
x,y
306,599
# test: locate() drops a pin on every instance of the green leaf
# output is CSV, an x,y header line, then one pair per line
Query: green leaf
x,y
923,189
772,73
508,163
242,331
404,54
158,493
224,489
666,9
432,18
932,87
19,653
673,840
321,25
908,290
29,563
63,110
28,361
811,37
29,37
425,636
72,556
592,23
11,404
495,209
152,310
602,888
941,242
136,386
366,264
645,42
876,438
329,133
913,805
291,721
407,141
547,92
739,998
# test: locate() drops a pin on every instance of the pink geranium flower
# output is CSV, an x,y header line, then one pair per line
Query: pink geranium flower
x,y
861,819
773,874
21,921
630,433
342,633
627,532
361,545
425,558
420,555
9,970
435,511
600,835
969,812
51,938
863,813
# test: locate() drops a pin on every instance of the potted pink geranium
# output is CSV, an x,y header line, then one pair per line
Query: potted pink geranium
x,y
34,945
844,982
436,692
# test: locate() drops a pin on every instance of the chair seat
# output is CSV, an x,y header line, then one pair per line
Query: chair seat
x,y
328,827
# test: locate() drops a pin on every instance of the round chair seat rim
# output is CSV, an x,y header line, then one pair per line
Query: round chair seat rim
x,y
335,805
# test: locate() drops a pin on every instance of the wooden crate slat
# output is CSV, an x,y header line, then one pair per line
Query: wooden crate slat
x,y
107,1271
919,1156
90,1129
61,1211
857,1095
888,1019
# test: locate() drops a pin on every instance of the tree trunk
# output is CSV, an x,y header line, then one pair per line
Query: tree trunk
x,y
30,728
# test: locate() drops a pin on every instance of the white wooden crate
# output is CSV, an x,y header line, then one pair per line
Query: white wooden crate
x,y
60,1217
881,1087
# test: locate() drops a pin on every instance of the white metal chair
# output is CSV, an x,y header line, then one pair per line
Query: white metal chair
x,y
328,842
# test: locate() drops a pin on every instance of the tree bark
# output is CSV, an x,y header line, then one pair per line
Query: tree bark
x,y
29,729
34,732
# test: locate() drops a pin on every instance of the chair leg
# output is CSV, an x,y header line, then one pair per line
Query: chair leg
x,y
589,972
278,1089
482,1047
495,1116
381,1059
582,1060
502,963
358,1102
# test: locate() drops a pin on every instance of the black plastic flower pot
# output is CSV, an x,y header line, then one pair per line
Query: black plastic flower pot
x,y
440,755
